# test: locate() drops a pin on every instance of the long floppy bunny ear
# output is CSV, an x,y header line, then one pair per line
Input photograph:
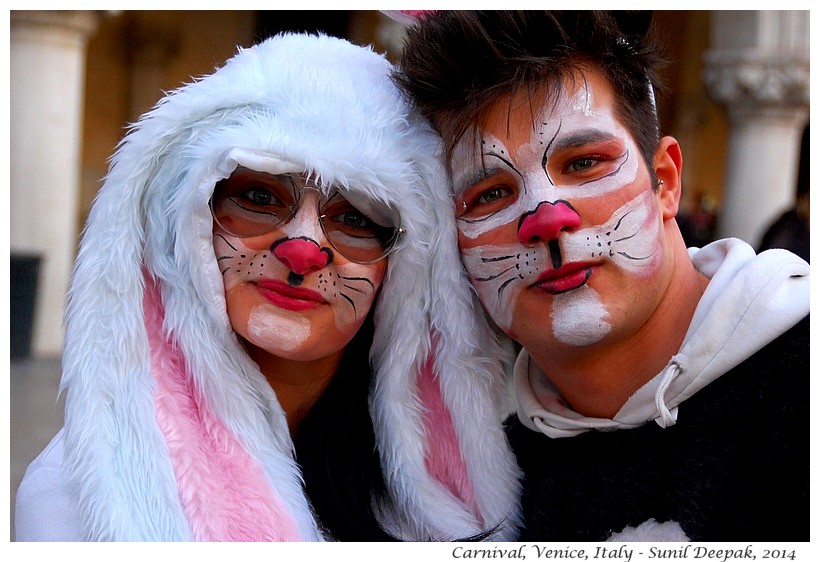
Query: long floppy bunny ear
x,y
171,432
224,492
440,387
106,372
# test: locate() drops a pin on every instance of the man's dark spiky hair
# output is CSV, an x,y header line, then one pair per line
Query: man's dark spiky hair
x,y
457,64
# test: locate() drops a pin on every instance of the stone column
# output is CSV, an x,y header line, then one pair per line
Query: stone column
x,y
758,67
47,79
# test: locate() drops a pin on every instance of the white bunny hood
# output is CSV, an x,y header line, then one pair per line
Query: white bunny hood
x,y
172,433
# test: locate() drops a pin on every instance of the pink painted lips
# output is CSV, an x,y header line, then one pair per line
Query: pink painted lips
x,y
291,298
568,277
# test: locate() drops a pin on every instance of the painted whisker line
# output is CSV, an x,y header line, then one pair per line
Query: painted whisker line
x,y
490,278
505,283
365,279
627,256
348,299
226,241
225,270
362,291
626,237
223,258
620,220
500,258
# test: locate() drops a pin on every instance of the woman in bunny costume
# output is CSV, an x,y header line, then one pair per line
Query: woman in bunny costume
x,y
191,320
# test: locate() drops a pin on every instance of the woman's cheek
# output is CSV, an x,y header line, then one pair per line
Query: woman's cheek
x,y
358,286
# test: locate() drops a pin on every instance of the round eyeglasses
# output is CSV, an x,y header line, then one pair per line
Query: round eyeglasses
x,y
251,203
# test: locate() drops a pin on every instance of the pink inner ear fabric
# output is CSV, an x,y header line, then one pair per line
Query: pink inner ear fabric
x,y
442,456
224,492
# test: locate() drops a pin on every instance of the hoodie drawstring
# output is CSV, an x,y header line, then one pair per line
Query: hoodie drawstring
x,y
666,418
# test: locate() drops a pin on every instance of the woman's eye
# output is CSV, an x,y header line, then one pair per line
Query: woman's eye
x,y
346,217
259,196
354,219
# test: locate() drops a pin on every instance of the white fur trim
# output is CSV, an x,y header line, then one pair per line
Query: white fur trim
x,y
471,379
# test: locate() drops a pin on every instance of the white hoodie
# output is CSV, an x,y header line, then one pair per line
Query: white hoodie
x,y
750,300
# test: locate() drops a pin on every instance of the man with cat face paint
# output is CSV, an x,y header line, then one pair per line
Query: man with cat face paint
x,y
662,392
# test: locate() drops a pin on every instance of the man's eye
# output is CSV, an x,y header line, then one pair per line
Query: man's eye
x,y
491,195
582,164
481,202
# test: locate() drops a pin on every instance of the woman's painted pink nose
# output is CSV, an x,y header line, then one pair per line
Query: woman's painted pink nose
x,y
302,255
547,221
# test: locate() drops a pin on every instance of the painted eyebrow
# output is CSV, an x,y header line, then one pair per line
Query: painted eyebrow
x,y
582,138
483,173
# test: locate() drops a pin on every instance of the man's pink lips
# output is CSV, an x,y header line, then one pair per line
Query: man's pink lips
x,y
568,277
286,296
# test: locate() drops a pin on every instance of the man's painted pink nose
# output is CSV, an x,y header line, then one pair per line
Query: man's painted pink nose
x,y
301,255
547,221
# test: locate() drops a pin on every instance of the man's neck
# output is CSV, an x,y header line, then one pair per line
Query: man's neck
x,y
597,380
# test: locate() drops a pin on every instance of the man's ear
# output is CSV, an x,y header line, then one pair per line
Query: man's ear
x,y
668,164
